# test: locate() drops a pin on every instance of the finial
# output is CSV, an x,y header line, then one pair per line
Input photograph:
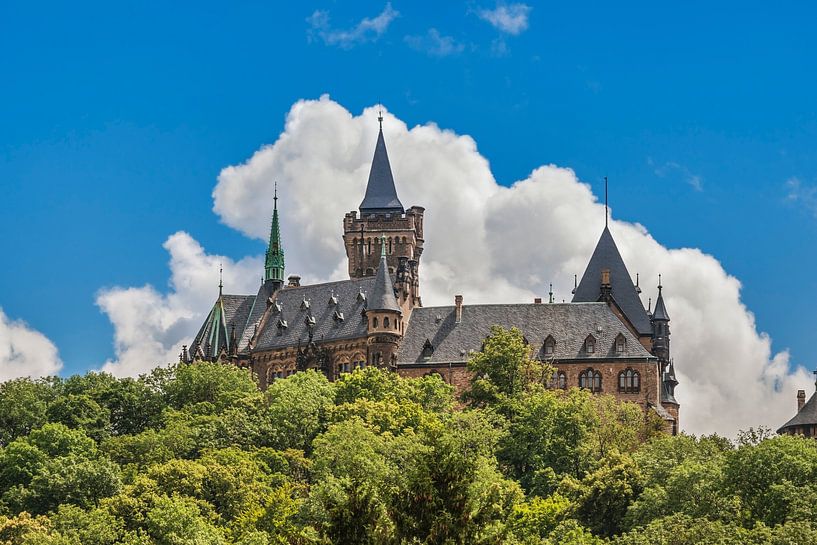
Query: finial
x,y
275,195
220,279
637,287
550,293
649,305
659,283
815,379
575,283
606,214
380,115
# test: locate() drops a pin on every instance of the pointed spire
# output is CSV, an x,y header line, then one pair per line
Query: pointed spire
x,y
606,258
220,279
383,292
606,213
660,309
381,195
274,264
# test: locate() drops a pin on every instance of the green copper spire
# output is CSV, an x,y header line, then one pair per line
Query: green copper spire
x,y
274,266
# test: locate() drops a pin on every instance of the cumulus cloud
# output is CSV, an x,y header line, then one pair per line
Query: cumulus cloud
x,y
368,29
150,327
506,244
435,44
25,352
510,19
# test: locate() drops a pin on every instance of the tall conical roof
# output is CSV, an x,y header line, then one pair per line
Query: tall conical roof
x,y
274,263
660,312
383,292
606,256
381,195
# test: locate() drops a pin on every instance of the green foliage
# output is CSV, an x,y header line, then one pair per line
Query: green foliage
x,y
196,454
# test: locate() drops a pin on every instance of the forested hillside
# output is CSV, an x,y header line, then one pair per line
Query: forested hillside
x,y
197,454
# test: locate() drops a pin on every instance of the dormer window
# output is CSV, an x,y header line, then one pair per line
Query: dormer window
x,y
361,297
428,350
621,344
304,304
549,348
282,324
590,345
333,301
309,321
337,316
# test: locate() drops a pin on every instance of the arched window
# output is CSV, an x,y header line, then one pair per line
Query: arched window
x,y
370,247
558,380
590,379
386,322
391,249
590,345
621,344
374,322
549,347
629,382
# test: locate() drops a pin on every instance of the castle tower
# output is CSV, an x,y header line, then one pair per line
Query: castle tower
x,y
384,226
384,317
274,263
660,328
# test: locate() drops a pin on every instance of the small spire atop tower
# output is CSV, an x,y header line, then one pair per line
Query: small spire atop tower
x,y
606,213
550,293
380,115
220,279
274,263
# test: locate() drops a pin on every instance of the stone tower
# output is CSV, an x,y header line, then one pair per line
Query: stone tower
x,y
384,222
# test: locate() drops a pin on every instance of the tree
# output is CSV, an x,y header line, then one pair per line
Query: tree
x,y
23,406
178,521
503,368
220,385
295,410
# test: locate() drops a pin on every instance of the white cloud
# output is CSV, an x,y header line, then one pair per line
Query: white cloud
x,y
495,243
511,19
150,327
666,169
802,194
25,352
368,29
435,44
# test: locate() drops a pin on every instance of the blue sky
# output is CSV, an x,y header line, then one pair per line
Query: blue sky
x,y
117,119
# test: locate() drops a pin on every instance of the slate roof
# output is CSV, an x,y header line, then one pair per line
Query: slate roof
x,y
568,323
607,256
255,313
660,312
382,297
323,302
807,416
381,195
228,311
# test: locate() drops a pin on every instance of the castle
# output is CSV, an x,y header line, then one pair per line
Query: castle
x,y
604,340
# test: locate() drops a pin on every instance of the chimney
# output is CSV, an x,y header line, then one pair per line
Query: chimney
x,y
294,281
537,301
458,308
801,399
605,277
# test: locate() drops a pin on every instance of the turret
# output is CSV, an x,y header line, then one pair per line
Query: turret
x,y
384,317
660,327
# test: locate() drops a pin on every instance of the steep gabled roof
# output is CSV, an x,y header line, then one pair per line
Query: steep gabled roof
x,y
607,256
381,195
807,416
228,312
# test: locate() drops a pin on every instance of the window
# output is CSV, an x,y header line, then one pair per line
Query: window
x,y
590,379
550,346
629,382
590,345
621,344
386,322
558,380
374,322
